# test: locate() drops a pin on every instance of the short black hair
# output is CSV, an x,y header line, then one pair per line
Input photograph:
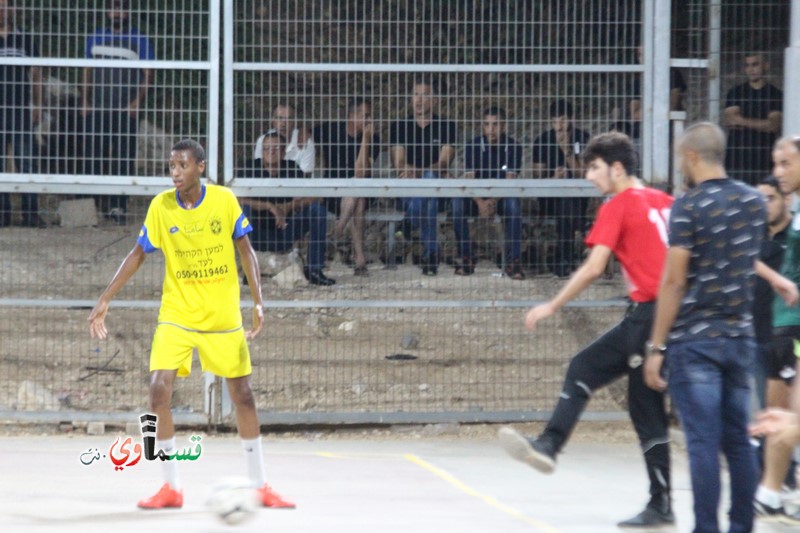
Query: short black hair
x,y
426,79
772,181
561,108
495,111
612,147
355,103
191,146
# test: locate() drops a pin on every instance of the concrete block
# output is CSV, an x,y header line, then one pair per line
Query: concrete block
x,y
96,428
77,213
133,429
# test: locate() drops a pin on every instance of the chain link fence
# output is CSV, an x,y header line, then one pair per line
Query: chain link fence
x,y
346,103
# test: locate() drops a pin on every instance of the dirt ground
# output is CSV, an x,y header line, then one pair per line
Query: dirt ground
x,y
316,355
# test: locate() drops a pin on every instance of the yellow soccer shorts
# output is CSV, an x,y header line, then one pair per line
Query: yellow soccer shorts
x,y
224,354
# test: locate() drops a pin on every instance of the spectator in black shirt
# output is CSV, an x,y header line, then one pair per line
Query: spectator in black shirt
x,y
422,147
753,115
556,155
279,222
20,85
493,155
348,149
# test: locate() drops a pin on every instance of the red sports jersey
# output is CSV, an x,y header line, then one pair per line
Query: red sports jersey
x,y
634,225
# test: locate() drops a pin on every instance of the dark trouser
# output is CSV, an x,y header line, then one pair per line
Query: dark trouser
x,y
509,210
17,130
617,353
312,220
111,150
709,382
569,215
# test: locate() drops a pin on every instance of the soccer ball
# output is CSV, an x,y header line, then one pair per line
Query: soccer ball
x,y
233,500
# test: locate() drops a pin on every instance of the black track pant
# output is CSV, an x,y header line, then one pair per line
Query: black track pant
x,y
619,352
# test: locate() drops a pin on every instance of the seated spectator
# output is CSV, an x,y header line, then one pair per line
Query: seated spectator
x,y
279,222
348,149
677,88
493,155
299,143
556,155
20,86
422,147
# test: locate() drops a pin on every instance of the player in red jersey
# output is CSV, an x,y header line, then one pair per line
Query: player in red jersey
x,y
632,225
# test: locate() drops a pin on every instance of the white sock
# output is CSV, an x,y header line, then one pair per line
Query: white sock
x,y
254,457
768,496
169,468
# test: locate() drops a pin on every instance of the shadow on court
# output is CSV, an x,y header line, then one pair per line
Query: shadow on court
x,y
435,485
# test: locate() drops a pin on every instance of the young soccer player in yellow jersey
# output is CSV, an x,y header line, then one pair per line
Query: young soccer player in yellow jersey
x,y
197,226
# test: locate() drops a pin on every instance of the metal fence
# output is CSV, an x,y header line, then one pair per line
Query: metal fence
x,y
397,345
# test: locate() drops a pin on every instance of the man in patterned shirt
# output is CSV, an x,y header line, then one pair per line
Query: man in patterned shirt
x,y
704,310
198,227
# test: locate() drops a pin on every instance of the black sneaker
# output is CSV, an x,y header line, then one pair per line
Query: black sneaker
x,y
768,513
650,519
537,453
430,265
316,277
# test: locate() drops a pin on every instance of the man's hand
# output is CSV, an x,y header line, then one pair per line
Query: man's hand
x,y
368,130
97,319
538,313
652,372
787,290
258,322
279,213
561,172
409,172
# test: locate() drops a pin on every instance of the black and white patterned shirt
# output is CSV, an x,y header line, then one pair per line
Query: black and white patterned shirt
x,y
722,223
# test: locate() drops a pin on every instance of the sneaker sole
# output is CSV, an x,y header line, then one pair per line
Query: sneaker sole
x,y
644,529
520,449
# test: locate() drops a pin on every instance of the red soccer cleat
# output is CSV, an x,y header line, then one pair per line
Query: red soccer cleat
x,y
164,498
270,498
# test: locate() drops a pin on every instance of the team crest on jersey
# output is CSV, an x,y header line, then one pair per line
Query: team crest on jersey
x,y
216,226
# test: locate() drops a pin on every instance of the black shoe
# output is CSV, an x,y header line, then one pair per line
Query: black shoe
x,y
316,277
430,265
466,268
651,519
538,453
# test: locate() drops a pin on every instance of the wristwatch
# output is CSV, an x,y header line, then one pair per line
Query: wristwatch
x,y
652,349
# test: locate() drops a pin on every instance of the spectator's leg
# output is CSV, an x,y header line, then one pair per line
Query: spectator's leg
x,y
429,207
25,163
95,148
511,211
357,232
123,154
346,213
461,226
5,198
413,210
312,220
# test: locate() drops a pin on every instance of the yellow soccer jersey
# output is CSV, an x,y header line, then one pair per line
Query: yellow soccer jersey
x,y
201,286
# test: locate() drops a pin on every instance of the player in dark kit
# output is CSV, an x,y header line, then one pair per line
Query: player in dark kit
x,y
632,225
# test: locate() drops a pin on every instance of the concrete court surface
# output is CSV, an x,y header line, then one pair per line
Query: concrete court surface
x,y
423,485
